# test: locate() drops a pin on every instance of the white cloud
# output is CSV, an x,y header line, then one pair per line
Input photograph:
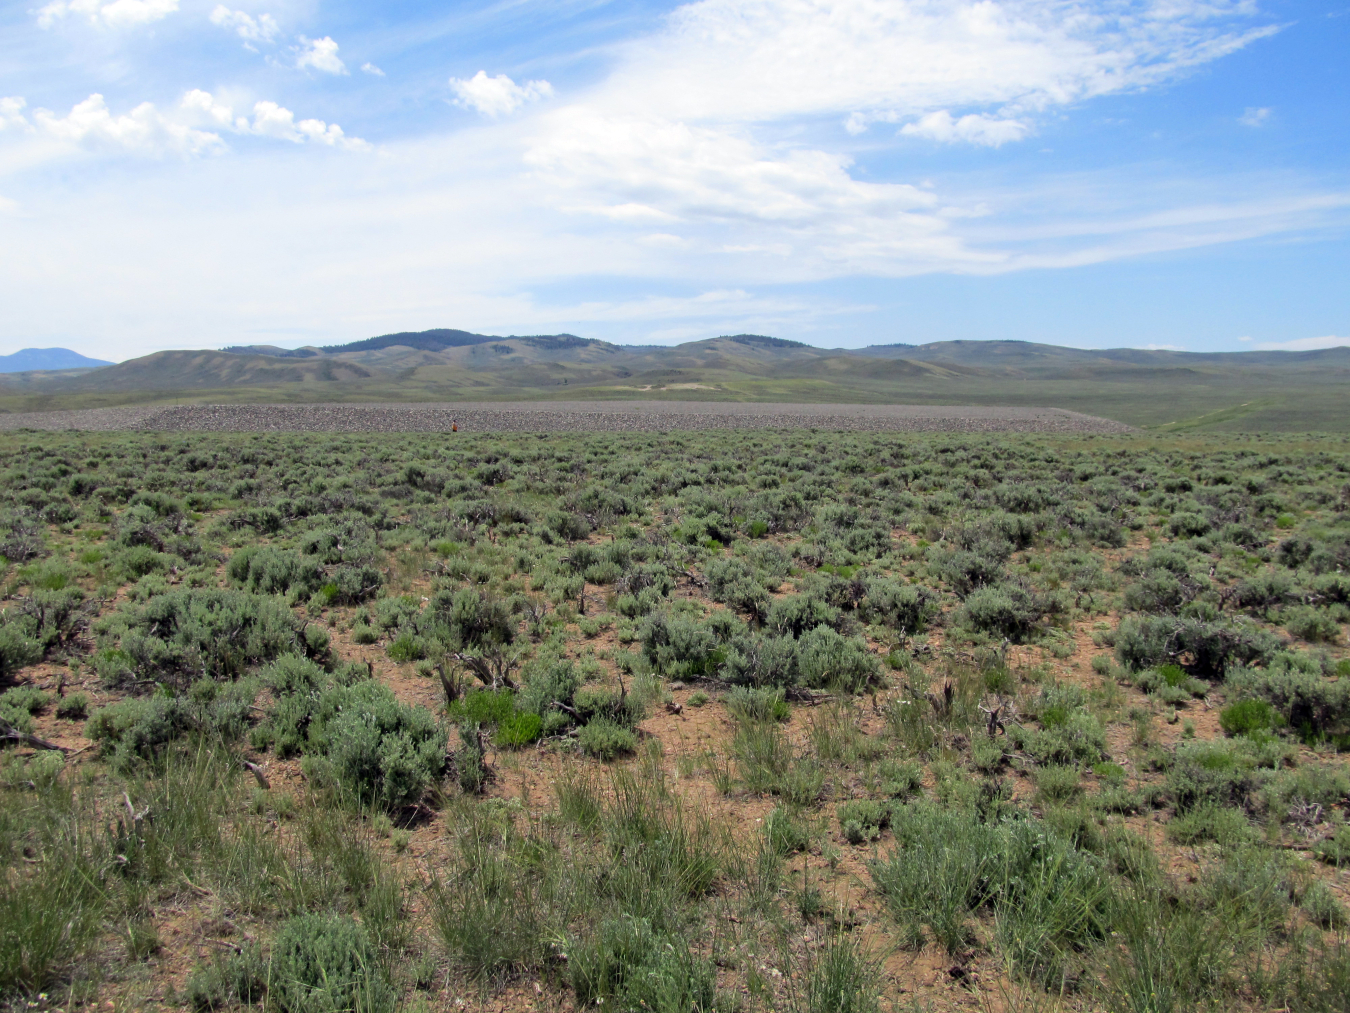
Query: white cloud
x,y
496,96
1303,344
321,54
709,120
370,68
272,120
733,60
191,129
11,113
143,130
973,128
263,28
1254,117
204,104
1164,348
118,14
710,157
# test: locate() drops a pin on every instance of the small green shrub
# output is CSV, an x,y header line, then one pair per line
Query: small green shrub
x,y
863,820
1220,824
1315,625
1058,784
17,649
899,780
1247,716
1334,850
1323,908
784,832
406,646
20,703
1007,611
606,739
1210,648
1076,738
631,966
678,646
829,660
1221,773
484,706
601,702
518,729
219,633
1310,704
73,707
1049,899
325,963
757,703
140,728
265,570
383,751
236,978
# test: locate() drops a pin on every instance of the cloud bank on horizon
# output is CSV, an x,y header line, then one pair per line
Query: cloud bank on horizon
x,y
1141,172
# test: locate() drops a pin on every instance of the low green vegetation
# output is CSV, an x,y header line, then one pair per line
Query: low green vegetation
x,y
689,721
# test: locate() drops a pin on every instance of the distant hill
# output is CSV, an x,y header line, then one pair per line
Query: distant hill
x,y
1285,391
441,338
47,358
272,350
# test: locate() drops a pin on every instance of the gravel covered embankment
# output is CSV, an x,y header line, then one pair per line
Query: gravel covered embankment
x,y
574,416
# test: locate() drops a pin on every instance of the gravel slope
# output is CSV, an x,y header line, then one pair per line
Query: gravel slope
x,y
585,416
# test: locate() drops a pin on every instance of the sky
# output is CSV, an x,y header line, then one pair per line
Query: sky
x,y
1128,173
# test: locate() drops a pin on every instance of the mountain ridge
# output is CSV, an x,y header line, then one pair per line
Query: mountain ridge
x,y
1284,390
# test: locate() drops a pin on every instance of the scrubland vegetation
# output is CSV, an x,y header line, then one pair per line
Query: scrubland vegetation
x,y
819,722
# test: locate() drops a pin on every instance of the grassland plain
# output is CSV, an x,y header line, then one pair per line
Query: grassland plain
x,y
755,720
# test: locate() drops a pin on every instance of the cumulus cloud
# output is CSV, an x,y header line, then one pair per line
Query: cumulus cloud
x,y
269,120
262,29
145,129
192,128
272,120
321,54
973,128
1254,117
117,14
1302,344
496,96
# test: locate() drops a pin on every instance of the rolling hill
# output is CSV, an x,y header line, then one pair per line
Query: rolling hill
x,y
1286,391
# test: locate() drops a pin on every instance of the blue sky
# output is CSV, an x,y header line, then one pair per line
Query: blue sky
x,y
1171,173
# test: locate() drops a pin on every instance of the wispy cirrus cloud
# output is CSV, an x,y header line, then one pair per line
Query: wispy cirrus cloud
x,y
260,29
